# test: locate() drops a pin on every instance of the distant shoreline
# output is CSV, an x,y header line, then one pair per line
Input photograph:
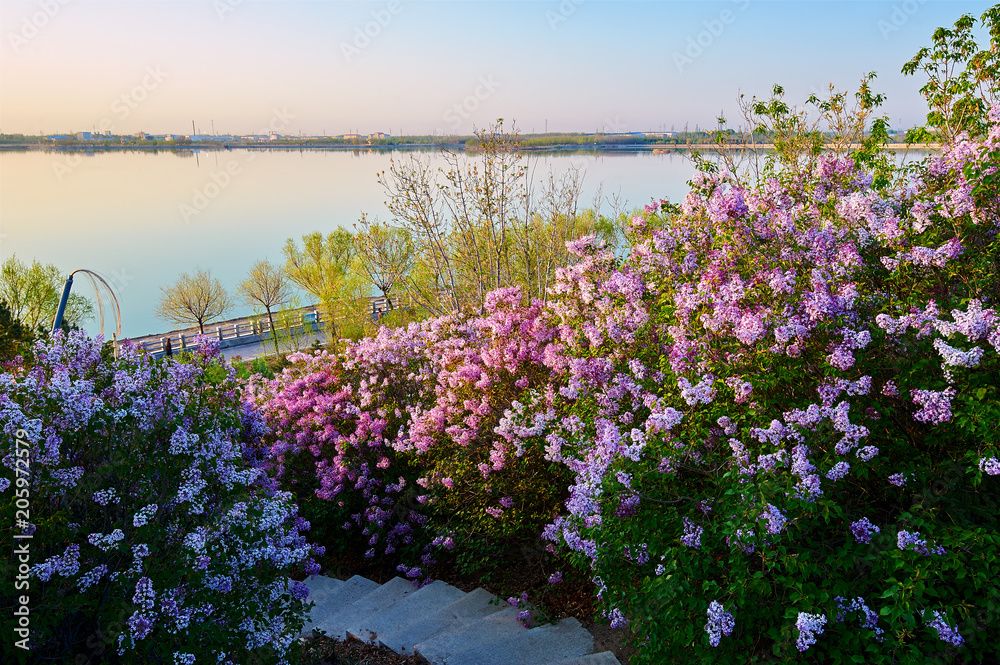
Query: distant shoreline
x,y
577,147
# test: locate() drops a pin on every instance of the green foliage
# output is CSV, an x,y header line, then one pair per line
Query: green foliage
x,y
15,337
32,294
962,79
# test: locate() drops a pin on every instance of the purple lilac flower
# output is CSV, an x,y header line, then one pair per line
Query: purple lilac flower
x,y
890,389
524,616
867,453
144,515
183,658
775,519
809,625
720,622
556,577
935,406
144,595
870,620
863,530
990,467
905,540
139,625
692,534
618,619
945,632
898,479
839,471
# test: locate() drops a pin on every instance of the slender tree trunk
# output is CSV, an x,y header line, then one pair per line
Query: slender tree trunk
x,y
274,336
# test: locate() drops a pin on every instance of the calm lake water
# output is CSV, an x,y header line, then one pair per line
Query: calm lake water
x,y
134,217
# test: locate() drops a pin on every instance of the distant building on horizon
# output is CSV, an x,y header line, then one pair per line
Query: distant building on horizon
x,y
351,136
84,136
378,135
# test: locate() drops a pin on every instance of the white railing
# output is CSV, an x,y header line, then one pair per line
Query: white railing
x,y
253,330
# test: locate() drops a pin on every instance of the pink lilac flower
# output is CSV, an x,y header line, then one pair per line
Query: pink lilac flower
x,y
720,622
809,625
945,632
863,530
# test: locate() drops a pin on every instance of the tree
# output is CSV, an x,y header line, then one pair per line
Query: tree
x,y
267,286
14,336
385,254
32,295
194,299
476,227
962,80
321,268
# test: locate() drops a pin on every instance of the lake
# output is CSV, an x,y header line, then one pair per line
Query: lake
x,y
141,219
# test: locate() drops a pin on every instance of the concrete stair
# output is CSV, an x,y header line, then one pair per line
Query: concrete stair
x,y
444,625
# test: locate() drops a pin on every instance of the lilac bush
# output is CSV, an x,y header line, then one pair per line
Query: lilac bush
x,y
156,536
785,394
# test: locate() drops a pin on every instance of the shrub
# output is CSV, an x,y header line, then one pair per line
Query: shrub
x,y
155,536
802,459
401,441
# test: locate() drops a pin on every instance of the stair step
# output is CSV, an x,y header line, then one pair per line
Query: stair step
x,y
439,648
321,586
333,600
354,615
538,646
467,608
603,658
429,601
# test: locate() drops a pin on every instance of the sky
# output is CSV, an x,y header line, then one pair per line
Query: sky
x,y
434,66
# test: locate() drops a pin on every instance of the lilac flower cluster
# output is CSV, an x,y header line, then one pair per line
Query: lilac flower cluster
x,y
906,540
720,622
863,530
869,618
946,632
692,534
70,398
660,365
809,625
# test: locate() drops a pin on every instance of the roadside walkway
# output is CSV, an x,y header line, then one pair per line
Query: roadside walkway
x,y
250,336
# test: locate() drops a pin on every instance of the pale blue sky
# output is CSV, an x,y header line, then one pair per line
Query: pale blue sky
x,y
440,66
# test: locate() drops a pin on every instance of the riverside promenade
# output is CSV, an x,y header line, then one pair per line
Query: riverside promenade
x,y
251,336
